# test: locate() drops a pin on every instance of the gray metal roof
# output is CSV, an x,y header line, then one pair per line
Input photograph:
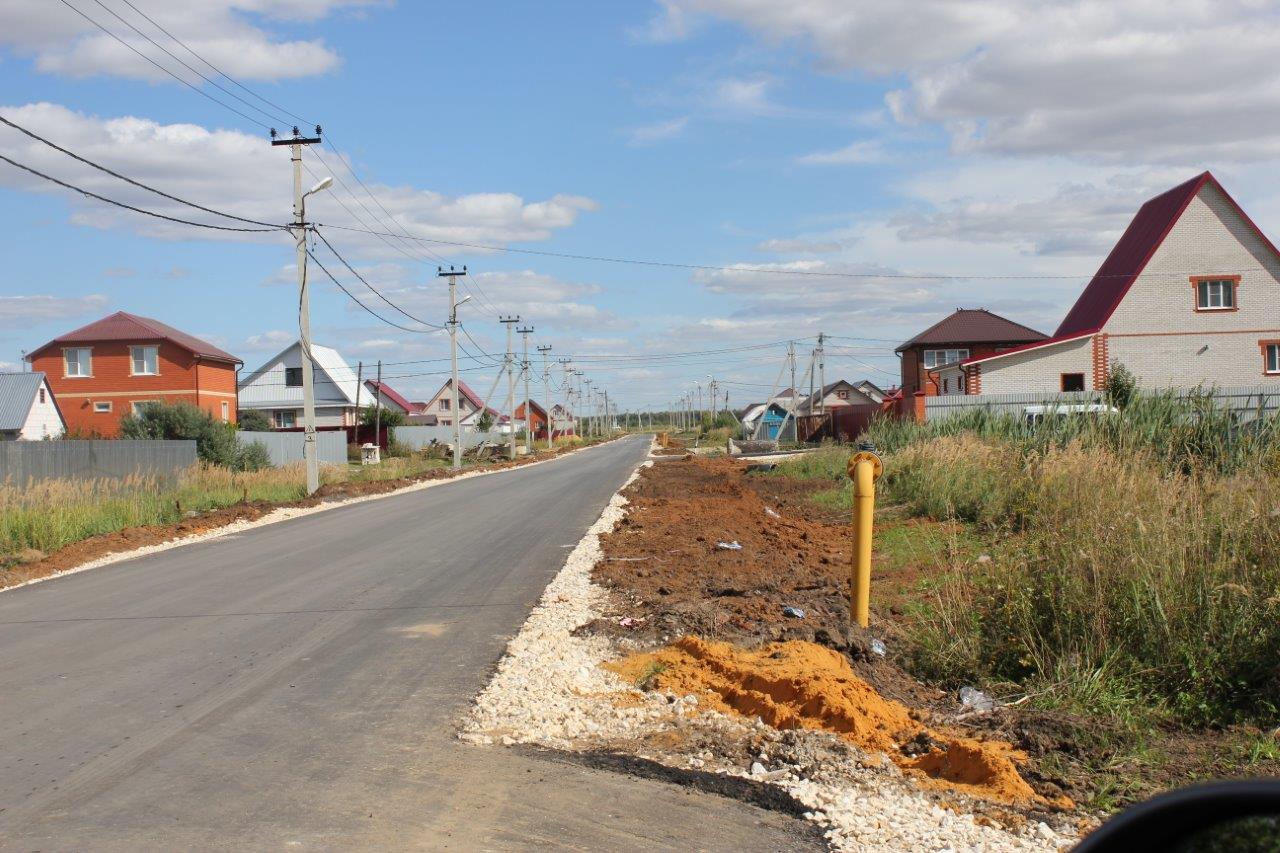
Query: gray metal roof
x,y
17,392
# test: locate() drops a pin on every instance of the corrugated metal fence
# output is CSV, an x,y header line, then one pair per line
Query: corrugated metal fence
x,y
418,436
23,461
1248,401
285,448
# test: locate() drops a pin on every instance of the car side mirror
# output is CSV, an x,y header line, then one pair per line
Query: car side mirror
x,y
1242,817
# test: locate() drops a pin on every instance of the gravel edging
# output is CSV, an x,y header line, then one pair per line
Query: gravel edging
x,y
276,516
550,691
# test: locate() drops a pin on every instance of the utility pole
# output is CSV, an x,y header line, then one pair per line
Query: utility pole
x,y
359,382
577,393
546,393
454,415
511,382
528,405
608,422
377,414
304,299
590,426
822,372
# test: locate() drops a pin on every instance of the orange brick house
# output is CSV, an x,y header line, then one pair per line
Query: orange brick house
x,y
103,371
968,333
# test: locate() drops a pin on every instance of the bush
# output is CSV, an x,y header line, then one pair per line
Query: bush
x,y
253,457
389,417
215,441
253,420
396,449
354,453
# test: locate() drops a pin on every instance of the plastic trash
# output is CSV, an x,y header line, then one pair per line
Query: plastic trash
x,y
877,648
630,622
769,511
793,612
729,546
977,701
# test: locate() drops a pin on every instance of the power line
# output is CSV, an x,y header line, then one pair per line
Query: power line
x,y
129,180
378,293
358,302
186,83
143,211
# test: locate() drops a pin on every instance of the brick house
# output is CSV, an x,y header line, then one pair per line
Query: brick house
x,y
538,418
105,370
1190,295
968,333
469,404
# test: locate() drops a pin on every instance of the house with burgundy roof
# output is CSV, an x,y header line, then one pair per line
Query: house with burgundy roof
x,y
1190,295
107,369
967,333
440,404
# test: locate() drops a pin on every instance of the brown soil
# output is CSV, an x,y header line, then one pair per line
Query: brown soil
x,y
34,564
798,684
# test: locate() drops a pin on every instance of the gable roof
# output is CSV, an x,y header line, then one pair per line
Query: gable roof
x,y
974,326
1130,255
464,390
536,408
390,393
17,394
326,361
123,326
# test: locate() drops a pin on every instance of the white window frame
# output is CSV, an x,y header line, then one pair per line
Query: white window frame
x,y
1271,359
88,363
226,411
134,406
142,349
949,356
1224,289
277,418
102,407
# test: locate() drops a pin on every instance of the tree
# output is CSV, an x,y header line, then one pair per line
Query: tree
x,y
253,420
1121,385
390,417
215,441
484,423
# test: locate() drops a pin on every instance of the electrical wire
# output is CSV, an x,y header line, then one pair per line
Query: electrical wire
x,y
365,282
129,180
361,304
143,211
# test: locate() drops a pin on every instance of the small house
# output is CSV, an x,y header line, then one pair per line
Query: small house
x,y
28,409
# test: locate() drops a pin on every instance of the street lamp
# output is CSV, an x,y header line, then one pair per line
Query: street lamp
x,y
304,330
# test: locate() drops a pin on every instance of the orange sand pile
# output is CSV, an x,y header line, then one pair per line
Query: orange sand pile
x,y
803,685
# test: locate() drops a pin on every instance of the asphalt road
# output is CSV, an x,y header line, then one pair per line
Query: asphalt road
x,y
299,685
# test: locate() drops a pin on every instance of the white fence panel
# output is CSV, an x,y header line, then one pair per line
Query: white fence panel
x,y
418,436
24,461
1250,401
285,448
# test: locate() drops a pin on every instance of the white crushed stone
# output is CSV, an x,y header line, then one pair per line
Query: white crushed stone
x,y
273,517
549,689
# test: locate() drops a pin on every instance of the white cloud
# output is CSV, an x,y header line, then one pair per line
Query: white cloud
x,y
270,341
1174,82
858,153
17,312
228,33
243,175
750,96
659,131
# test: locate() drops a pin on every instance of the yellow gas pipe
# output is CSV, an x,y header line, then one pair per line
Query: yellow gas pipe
x,y
864,469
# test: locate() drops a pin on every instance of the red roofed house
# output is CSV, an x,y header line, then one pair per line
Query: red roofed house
x,y
969,332
538,418
439,405
1190,295
103,371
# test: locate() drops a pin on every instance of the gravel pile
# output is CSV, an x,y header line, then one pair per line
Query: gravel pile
x,y
550,690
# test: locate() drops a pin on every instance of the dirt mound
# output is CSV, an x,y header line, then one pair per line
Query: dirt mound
x,y
798,684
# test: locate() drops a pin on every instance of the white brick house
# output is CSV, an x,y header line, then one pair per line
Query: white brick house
x,y
1190,295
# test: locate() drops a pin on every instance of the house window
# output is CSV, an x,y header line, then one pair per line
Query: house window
x,y
1270,357
78,361
285,418
1073,382
137,406
1216,294
938,357
444,405
843,395
102,408
145,360
293,377
226,411
42,394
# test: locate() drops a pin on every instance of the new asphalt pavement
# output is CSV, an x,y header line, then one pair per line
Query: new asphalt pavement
x,y
299,686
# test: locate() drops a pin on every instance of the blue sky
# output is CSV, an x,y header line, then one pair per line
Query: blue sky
x,y
980,140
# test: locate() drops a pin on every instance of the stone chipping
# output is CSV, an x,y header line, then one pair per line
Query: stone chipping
x,y
550,690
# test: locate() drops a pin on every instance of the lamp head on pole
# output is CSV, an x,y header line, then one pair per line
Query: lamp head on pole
x,y
322,184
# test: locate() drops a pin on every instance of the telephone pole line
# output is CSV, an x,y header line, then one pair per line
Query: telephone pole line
x,y
509,321
528,406
546,394
822,372
454,415
304,299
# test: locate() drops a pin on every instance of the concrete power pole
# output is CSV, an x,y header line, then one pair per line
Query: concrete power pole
x,y
455,415
822,373
590,425
528,406
511,383
377,414
546,394
304,300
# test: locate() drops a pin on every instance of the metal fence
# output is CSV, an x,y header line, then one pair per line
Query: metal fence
x,y
24,461
285,448
419,436
1250,401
